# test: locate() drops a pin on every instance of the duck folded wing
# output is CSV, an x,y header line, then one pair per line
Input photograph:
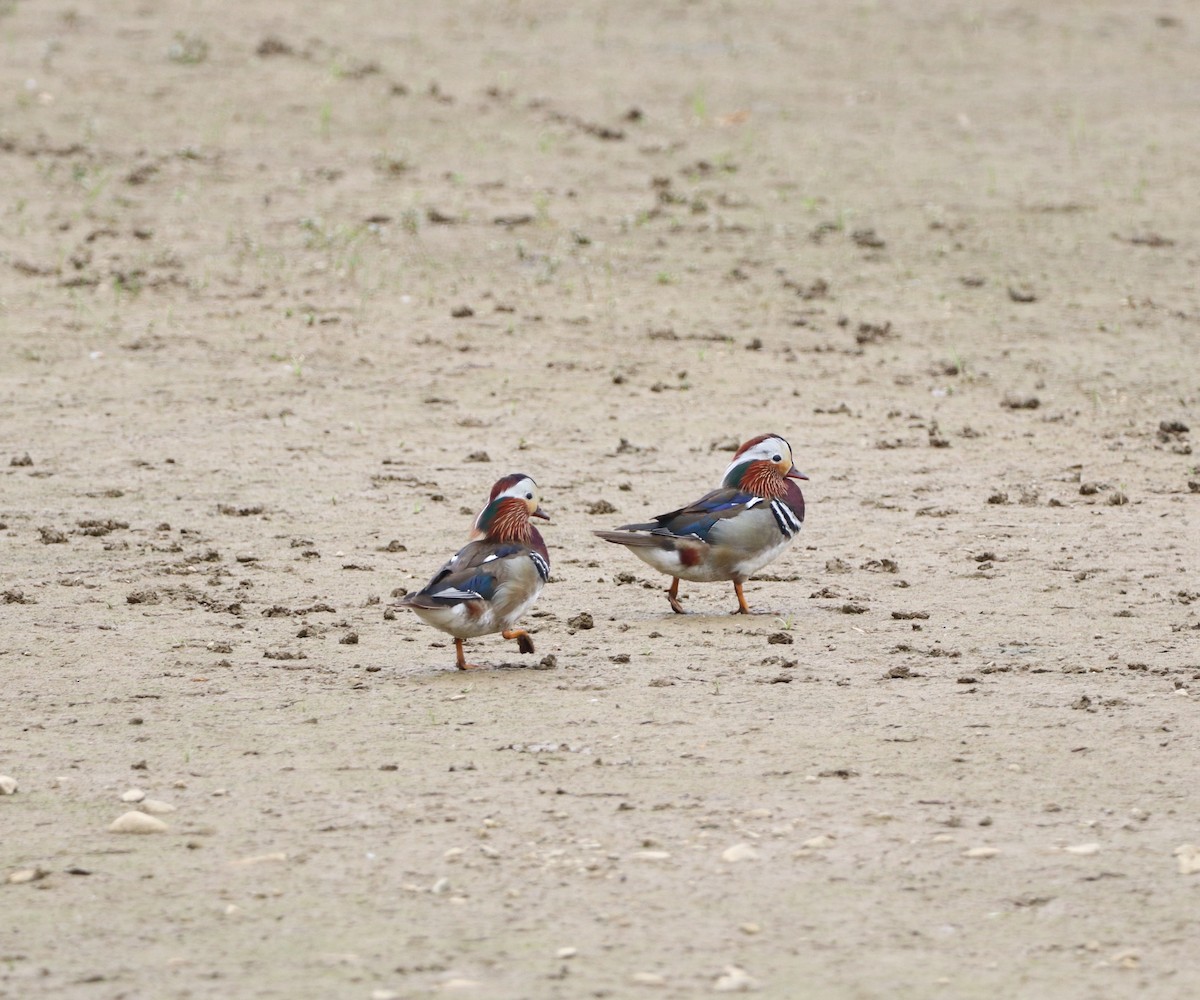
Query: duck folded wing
x,y
699,519
474,574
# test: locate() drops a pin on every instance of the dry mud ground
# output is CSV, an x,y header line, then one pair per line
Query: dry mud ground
x,y
285,287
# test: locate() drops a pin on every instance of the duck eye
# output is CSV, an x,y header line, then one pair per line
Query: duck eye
x,y
528,496
777,458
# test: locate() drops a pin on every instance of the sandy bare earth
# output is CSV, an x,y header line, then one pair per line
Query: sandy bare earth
x,y
285,287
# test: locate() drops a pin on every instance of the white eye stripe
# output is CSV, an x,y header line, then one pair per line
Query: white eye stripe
x,y
522,489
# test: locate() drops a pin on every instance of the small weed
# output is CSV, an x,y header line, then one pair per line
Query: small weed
x,y
391,165
187,50
126,284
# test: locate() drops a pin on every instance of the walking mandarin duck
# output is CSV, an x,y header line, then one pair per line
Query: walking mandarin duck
x,y
495,578
730,533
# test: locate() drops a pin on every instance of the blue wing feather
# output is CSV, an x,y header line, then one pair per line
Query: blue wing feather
x,y
698,518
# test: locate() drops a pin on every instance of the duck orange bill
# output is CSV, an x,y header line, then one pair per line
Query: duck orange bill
x,y
546,517
794,473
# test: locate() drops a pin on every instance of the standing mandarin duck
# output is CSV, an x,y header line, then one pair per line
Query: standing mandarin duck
x,y
730,533
495,578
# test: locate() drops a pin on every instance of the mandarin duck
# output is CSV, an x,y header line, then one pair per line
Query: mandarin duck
x,y
495,578
730,533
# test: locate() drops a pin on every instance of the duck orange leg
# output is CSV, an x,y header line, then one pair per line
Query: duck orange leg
x,y
743,608
524,643
673,596
459,659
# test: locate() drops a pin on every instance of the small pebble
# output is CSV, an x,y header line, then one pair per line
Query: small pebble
x,y
137,822
648,979
1189,859
1082,849
566,953
257,859
384,995
156,807
133,795
981,852
735,980
23,875
750,928
739,852
8,786
652,855
818,842
440,887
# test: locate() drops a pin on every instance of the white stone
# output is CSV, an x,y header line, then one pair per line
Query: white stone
x,y
735,980
739,852
440,887
1189,859
652,855
23,875
1082,849
818,843
258,859
133,795
137,822
384,995
566,953
8,786
978,853
156,807
648,979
